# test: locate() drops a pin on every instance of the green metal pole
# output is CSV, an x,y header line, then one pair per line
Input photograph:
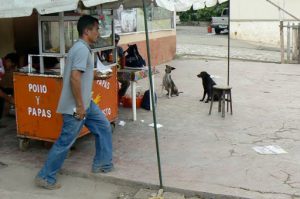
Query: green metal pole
x,y
228,64
152,95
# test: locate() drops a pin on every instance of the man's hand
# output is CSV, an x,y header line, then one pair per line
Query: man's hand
x,y
80,112
99,76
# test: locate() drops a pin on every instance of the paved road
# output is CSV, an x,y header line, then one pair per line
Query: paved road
x,y
206,154
198,152
195,41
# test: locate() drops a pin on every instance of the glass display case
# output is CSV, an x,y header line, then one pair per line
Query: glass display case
x,y
58,32
51,31
50,36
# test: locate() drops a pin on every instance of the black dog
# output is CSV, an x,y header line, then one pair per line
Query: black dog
x,y
208,84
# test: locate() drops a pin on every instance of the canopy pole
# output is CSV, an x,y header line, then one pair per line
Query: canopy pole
x,y
152,95
228,56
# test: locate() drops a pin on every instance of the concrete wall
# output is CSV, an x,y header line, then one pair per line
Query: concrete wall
x,y
6,36
18,34
258,20
26,33
262,10
162,45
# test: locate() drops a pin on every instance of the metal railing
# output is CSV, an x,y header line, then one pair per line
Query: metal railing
x,y
42,69
290,43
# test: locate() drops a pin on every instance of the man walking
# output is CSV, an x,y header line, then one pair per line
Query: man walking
x,y
78,109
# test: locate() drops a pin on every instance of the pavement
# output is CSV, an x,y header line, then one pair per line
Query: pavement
x,y
194,41
16,182
201,155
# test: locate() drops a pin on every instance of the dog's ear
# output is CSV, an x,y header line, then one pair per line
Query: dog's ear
x,y
173,68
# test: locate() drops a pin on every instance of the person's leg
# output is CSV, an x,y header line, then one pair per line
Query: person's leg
x,y
8,91
2,105
124,86
70,130
100,127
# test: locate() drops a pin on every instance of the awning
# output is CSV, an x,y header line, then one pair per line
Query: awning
x,y
200,4
184,5
22,8
176,5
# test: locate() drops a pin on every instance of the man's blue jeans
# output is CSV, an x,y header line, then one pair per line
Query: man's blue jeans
x,y
98,125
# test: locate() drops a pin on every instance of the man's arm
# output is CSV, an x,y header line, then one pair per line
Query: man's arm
x,y
76,90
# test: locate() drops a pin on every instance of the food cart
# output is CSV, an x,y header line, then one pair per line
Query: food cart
x,y
37,89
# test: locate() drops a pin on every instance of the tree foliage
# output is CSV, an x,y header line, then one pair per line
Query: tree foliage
x,y
203,14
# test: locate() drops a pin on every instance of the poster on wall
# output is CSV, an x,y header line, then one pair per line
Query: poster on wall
x,y
125,20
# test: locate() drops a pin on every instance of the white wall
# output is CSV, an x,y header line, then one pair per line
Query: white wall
x,y
258,20
246,10
263,32
6,36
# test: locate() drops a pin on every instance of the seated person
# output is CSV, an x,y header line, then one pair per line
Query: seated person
x,y
124,83
4,98
9,63
49,62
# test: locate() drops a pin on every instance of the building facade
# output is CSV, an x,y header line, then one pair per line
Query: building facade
x,y
258,20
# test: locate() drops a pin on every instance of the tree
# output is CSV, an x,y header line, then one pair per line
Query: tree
x,y
204,14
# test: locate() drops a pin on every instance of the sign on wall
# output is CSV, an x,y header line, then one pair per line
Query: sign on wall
x,y
125,20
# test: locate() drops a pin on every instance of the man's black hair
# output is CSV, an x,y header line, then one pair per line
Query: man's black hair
x,y
86,22
13,57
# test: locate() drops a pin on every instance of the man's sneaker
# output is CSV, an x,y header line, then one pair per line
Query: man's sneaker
x,y
44,184
101,170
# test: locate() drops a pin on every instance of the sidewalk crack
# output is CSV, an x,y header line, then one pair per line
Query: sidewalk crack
x,y
262,192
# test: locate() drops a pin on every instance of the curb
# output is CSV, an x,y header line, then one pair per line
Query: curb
x,y
180,56
140,185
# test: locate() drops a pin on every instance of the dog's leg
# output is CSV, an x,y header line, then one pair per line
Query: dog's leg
x,y
208,98
176,91
169,93
162,90
204,94
209,95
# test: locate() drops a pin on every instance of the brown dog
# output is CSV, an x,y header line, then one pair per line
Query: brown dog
x,y
168,83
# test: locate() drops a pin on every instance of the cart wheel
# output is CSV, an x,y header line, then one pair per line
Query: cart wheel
x,y
113,126
23,144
